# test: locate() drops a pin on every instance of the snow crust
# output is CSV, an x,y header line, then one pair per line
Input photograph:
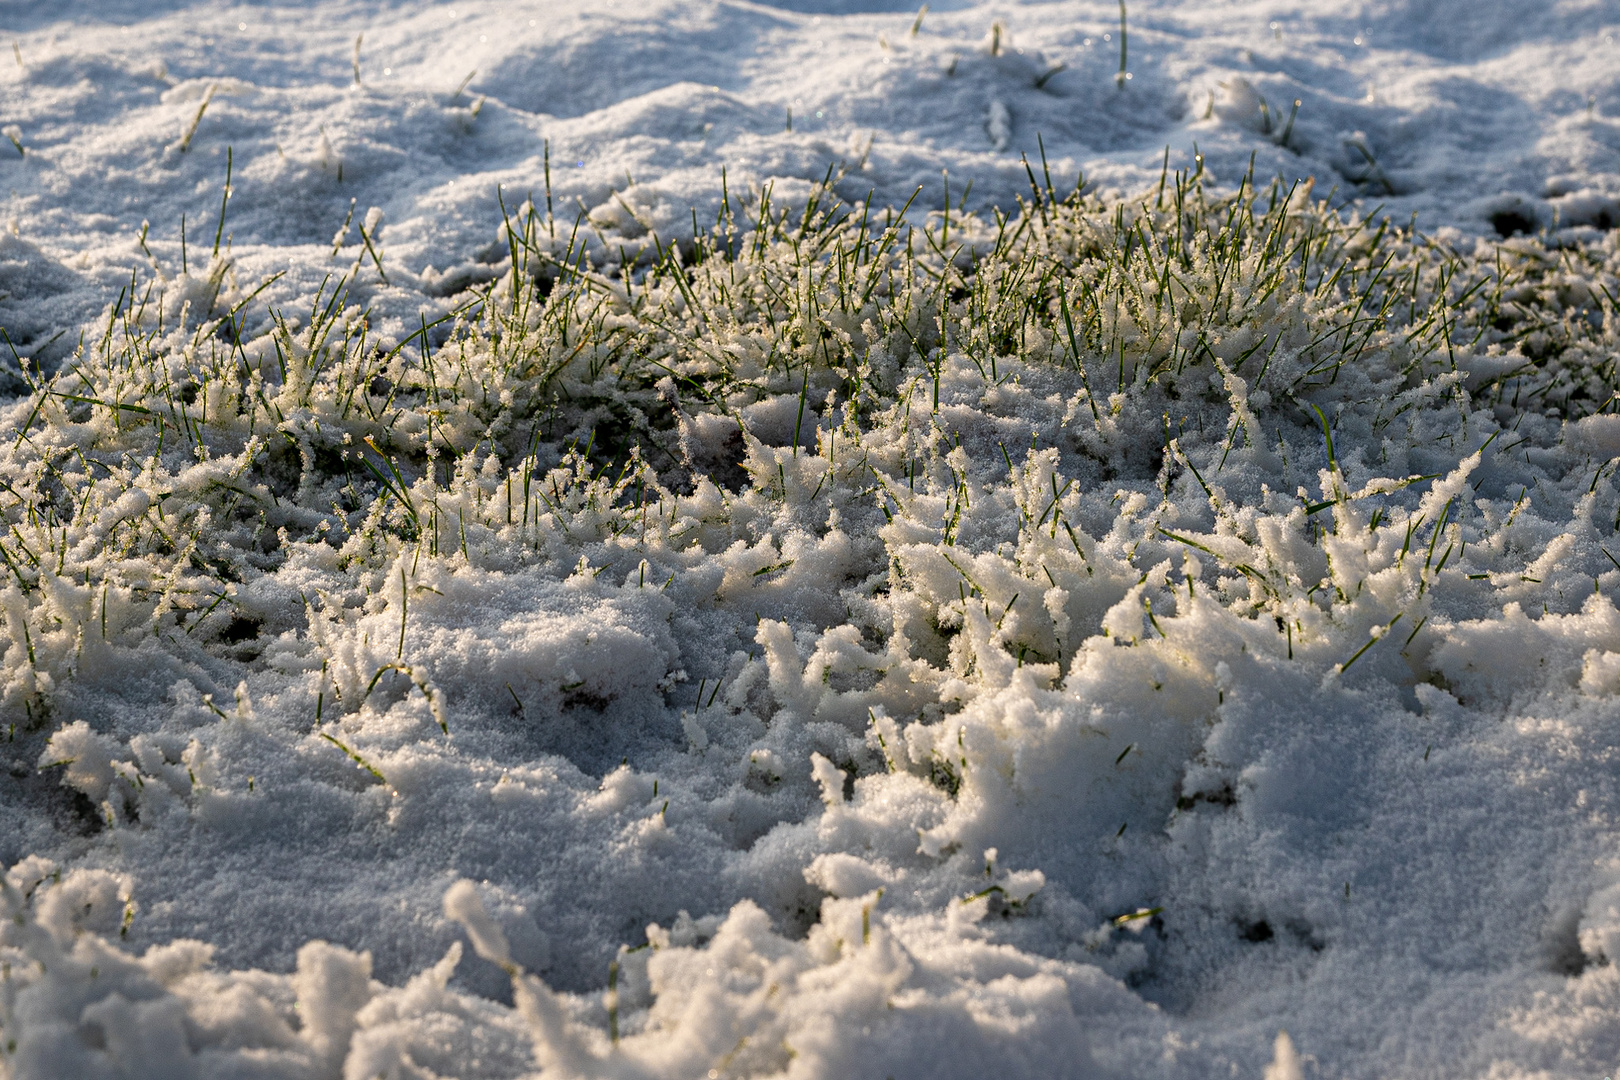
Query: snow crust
x,y
1051,802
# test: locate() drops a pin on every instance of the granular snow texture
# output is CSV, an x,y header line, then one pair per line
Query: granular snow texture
x,y
1002,728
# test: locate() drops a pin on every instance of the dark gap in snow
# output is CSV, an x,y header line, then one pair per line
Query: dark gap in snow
x,y
1512,223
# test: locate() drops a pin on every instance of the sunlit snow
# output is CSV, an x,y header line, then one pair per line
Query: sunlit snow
x,y
549,572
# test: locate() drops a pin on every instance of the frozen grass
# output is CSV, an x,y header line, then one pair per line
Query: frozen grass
x,y
927,464
180,452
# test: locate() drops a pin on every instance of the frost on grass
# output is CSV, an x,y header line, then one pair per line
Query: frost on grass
x,y
934,608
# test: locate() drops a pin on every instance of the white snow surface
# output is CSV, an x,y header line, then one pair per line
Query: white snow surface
x,y
1197,840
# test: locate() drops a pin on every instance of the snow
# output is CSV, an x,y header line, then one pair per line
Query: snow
x,y
770,788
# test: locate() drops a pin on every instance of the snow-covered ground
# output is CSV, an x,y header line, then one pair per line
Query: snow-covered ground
x,y
1453,108
801,756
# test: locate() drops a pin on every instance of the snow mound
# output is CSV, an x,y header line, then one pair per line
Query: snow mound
x,y
669,623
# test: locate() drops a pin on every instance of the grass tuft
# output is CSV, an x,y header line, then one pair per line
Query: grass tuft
x,y
618,406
